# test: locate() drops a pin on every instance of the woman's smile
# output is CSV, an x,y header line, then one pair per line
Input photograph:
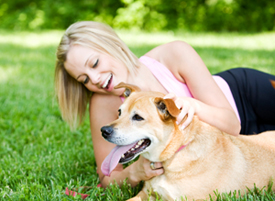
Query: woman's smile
x,y
108,82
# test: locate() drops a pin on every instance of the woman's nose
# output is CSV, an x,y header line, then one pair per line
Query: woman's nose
x,y
94,77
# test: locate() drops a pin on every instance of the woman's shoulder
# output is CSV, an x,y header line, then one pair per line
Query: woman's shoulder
x,y
103,110
168,50
104,97
171,55
103,102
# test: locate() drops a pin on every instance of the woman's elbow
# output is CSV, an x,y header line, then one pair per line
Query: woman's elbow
x,y
236,130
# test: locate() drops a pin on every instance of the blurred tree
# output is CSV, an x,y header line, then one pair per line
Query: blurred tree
x,y
195,15
57,14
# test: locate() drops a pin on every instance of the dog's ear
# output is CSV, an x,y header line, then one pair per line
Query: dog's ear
x,y
167,107
129,88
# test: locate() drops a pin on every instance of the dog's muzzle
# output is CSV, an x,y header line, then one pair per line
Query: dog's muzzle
x,y
107,131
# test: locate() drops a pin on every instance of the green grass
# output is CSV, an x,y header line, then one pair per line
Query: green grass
x,y
39,155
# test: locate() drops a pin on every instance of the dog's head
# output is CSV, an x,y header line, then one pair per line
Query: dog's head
x,y
146,125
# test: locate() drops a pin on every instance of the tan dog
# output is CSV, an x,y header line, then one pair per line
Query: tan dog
x,y
197,161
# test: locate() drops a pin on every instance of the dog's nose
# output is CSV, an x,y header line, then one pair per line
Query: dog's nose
x,y
107,131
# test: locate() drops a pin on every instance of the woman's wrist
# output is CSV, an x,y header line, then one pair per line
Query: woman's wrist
x,y
132,175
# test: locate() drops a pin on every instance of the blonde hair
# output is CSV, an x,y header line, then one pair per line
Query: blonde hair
x,y
73,96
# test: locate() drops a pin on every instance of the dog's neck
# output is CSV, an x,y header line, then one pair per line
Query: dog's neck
x,y
176,143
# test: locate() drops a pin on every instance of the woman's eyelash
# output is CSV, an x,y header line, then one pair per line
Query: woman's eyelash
x,y
86,80
95,64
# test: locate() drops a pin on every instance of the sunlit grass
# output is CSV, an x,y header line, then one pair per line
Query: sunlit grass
x,y
39,155
256,41
31,39
5,74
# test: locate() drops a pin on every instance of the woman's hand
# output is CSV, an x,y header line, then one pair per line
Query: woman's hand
x,y
186,105
142,171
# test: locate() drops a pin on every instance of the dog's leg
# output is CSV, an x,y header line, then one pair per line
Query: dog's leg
x,y
139,197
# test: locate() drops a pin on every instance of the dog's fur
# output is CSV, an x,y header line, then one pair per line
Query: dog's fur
x,y
212,160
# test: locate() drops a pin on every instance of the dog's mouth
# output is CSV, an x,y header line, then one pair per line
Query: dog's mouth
x,y
123,154
135,150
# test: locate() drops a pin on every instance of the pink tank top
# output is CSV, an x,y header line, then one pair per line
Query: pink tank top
x,y
172,85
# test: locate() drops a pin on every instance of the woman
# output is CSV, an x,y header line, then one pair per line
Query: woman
x,y
91,60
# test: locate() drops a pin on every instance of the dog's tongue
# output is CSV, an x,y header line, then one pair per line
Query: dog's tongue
x,y
111,161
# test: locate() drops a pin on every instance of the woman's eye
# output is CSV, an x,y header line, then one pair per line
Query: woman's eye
x,y
136,117
95,64
86,80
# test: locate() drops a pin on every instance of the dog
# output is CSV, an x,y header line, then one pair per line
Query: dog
x,y
197,160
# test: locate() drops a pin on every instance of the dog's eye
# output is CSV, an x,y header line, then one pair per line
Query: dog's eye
x,y
136,117
119,112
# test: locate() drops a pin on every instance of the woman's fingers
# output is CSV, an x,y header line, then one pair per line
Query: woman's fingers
x,y
190,115
155,165
170,96
158,172
146,170
156,168
185,105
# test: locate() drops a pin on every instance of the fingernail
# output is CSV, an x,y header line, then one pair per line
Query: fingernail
x,y
182,127
178,105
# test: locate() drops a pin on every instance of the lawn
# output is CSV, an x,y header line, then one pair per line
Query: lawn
x,y
39,155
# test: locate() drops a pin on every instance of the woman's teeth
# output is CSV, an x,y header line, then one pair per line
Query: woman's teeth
x,y
107,81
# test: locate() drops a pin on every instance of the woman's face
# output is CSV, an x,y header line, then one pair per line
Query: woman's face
x,y
97,71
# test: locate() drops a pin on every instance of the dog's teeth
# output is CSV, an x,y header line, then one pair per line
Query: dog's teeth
x,y
132,149
136,146
122,156
139,142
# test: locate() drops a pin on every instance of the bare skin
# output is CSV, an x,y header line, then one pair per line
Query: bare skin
x,y
209,103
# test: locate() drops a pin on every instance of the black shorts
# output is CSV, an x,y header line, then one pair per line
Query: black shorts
x,y
255,98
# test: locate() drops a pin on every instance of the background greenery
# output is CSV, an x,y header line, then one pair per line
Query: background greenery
x,y
39,155
194,15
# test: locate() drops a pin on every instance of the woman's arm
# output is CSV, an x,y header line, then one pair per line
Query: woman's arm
x,y
104,110
209,104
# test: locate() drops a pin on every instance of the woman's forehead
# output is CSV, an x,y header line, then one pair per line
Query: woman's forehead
x,y
78,53
77,57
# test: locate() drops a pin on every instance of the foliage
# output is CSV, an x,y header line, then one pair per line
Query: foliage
x,y
195,15
39,155
47,14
